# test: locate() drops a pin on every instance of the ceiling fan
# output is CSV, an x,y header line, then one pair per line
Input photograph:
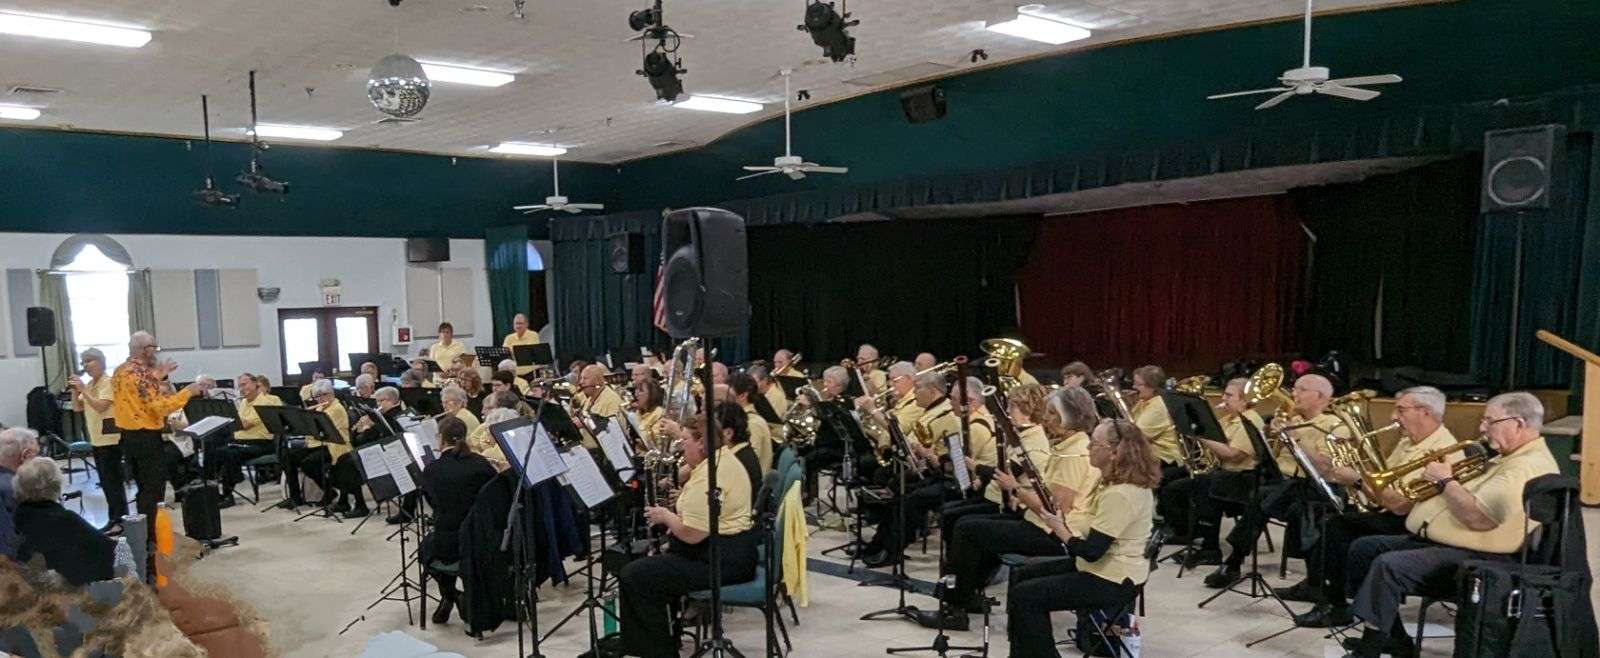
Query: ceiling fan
x,y
1310,79
558,202
210,195
789,164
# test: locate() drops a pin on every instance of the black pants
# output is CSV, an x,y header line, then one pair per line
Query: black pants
x,y
302,457
347,480
1039,589
179,469
952,513
1172,473
651,585
1177,499
981,540
1388,567
1285,500
233,458
1208,506
921,498
108,463
142,449
1326,562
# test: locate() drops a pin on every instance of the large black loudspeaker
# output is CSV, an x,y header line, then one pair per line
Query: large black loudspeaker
x,y
627,253
706,283
41,326
923,104
1522,168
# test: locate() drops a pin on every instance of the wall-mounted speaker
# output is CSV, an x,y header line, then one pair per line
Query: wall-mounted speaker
x,y
706,282
41,326
1523,168
627,253
924,104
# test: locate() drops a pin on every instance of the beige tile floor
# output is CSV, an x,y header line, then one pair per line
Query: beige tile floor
x,y
313,581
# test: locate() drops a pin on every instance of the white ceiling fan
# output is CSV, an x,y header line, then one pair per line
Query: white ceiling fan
x,y
789,164
1310,79
558,202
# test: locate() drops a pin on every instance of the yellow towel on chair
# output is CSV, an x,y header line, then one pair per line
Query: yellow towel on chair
x,y
794,546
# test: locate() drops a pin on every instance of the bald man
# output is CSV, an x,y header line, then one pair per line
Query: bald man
x,y
1295,500
867,363
783,364
520,335
924,361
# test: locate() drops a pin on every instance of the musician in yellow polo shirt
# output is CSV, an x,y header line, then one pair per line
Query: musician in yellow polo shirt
x,y
1150,414
448,348
252,439
317,458
93,398
743,388
1480,519
1230,481
520,335
867,362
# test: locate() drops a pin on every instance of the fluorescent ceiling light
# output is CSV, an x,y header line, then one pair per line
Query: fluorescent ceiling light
x,y
297,132
524,148
48,27
18,112
716,104
466,76
1038,28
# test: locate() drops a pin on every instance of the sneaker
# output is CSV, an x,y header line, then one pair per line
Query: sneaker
x,y
1201,557
1224,576
397,518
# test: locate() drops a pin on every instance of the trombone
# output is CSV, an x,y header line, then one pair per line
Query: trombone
x,y
1475,464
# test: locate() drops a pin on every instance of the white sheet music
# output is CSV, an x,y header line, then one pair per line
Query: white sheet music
x,y
584,476
958,460
372,459
544,462
615,445
420,437
394,452
207,425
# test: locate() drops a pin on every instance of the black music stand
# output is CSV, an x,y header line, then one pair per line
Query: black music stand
x,y
276,420
836,420
424,400
1192,416
317,425
530,451
790,384
198,408
590,487
490,357
537,354
1266,470
358,358
390,471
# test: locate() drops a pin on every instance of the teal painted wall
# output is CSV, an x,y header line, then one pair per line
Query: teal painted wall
x,y
56,181
1151,94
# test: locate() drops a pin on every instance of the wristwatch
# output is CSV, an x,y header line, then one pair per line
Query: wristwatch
x,y
1441,484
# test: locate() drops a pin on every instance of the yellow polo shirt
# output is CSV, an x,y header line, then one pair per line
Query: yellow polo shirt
x,y
1068,466
1499,495
445,354
877,379
1036,449
1239,439
735,485
981,445
1124,512
529,337
760,436
1152,418
341,422
99,389
607,403
1312,440
466,417
249,416
936,422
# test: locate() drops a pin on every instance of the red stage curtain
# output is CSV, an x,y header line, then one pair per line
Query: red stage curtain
x,y
1186,286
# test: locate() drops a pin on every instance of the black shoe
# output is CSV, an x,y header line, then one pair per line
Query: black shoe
x,y
112,529
878,559
441,614
357,513
1175,538
955,620
1303,592
225,503
1224,576
1324,616
397,518
1201,557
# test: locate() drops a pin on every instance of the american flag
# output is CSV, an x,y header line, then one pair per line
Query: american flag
x,y
658,307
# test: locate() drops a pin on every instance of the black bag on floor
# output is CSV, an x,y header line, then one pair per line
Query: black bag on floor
x,y
1510,610
202,517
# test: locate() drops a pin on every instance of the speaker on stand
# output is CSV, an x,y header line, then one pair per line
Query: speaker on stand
x,y
1523,173
627,253
42,333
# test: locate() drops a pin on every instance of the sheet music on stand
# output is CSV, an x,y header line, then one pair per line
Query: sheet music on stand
x,y
615,446
958,459
584,478
420,435
523,439
386,467
1326,490
206,426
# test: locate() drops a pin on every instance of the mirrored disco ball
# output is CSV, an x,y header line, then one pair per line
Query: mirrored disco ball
x,y
398,86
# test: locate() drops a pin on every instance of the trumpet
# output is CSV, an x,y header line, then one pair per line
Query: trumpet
x,y
1469,468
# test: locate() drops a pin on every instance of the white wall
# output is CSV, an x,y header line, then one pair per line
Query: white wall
x,y
370,270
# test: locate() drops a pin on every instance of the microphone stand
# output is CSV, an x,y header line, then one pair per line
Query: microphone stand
x,y
718,645
526,601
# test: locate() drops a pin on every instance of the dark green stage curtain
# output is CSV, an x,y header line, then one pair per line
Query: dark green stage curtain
x,y
596,309
1406,239
906,286
506,253
1554,246
1587,331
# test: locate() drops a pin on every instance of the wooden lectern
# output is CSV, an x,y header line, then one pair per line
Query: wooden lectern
x,y
1589,471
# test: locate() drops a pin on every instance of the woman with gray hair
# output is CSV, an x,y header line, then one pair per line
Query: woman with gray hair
x,y
92,397
68,544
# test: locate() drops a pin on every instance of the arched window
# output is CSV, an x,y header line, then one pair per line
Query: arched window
x,y
96,273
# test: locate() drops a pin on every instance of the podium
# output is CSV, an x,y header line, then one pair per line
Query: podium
x,y
1589,470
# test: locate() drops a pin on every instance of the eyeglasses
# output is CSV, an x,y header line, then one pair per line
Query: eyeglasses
x,y
1408,407
1486,422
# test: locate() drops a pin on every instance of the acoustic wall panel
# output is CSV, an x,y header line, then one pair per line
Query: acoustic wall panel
x,y
422,301
208,308
20,295
177,318
458,305
241,309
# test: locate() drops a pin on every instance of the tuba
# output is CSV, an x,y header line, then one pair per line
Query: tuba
x,y
1469,468
1265,384
680,383
1195,385
1111,389
1005,355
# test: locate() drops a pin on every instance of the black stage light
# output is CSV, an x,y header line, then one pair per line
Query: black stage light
x,y
643,18
663,75
827,29
211,196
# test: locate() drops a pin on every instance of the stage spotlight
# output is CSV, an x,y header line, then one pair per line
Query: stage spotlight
x,y
827,29
643,18
663,72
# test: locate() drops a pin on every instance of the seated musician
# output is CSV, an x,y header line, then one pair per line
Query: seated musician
x,y
783,365
641,372
365,385
743,389
935,419
1479,519
497,407
649,401
650,586
520,336
980,457
978,540
867,362
447,349
1222,491
519,384
924,361
472,383
454,401
451,484
1107,556
1149,412
770,389
252,439
902,404
419,374
829,449
719,373
593,396
1077,373
371,370
306,395
1294,498
315,457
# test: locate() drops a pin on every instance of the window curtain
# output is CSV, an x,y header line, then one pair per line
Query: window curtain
x,y
61,358
506,252
141,305
1587,331
1185,286
1553,245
